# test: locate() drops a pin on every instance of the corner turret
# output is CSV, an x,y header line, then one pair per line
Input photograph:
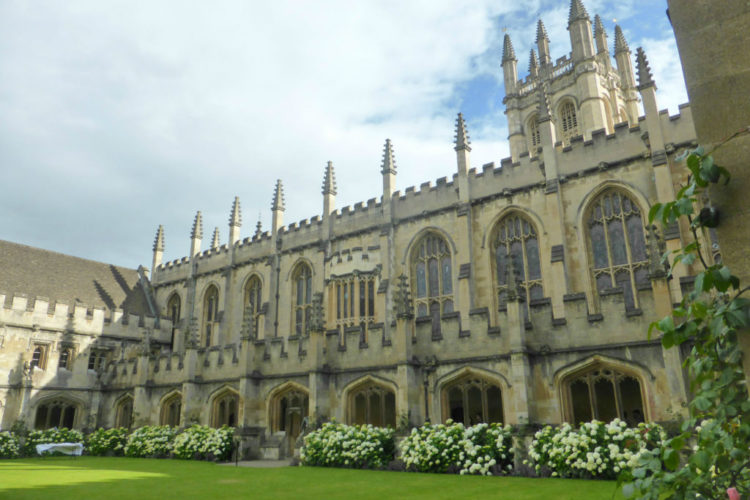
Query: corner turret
x,y
158,250
463,148
627,75
542,43
388,169
216,240
329,190
510,66
277,209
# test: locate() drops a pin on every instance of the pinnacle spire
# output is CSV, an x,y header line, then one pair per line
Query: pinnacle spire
x,y
533,62
159,240
541,32
329,180
278,197
462,135
258,228
508,53
621,45
577,11
389,163
216,240
235,218
197,231
598,26
645,79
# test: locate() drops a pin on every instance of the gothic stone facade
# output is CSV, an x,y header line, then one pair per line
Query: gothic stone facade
x,y
518,292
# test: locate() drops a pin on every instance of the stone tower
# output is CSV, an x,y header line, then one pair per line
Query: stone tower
x,y
585,91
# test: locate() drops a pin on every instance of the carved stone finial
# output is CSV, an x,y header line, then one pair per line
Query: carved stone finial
x,y
656,247
541,32
258,228
389,163
543,108
159,240
235,218
317,314
645,80
598,26
533,63
508,53
577,11
278,197
621,45
216,240
197,231
145,347
329,180
402,303
462,135
191,334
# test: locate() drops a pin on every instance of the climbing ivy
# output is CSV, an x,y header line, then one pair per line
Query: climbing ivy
x,y
711,455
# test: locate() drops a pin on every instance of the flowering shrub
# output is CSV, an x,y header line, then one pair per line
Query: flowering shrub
x,y
53,435
595,449
481,449
201,442
102,441
9,447
339,445
150,441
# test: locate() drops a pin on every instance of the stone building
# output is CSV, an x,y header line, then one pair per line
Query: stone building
x,y
519,292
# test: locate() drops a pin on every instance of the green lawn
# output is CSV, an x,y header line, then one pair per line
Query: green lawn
x,y
143,479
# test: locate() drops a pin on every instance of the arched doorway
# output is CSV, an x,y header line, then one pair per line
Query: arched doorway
x,y
290,409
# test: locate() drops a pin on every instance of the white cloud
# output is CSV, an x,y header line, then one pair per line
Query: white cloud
x,y
118,116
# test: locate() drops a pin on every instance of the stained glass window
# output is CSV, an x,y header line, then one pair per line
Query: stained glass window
x,y
516,237
433,272
618,245
302,282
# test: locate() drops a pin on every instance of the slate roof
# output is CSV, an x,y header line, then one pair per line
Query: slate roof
x,y
63,278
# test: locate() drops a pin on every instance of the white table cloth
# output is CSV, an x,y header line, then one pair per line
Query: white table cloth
x,y
66,448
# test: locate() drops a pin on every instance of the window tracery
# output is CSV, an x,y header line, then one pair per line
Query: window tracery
x,y
516,237
124,413
373,404
253,300
605,394
171,409
173,313
224,411
433,279
618,246
569,122
473,400
55,413
210,315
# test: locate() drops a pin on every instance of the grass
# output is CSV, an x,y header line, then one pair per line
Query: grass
x,y
143,479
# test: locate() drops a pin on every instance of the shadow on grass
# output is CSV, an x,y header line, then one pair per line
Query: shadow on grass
x,y
144,479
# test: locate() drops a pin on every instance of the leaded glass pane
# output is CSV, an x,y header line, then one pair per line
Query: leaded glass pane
x,y
376,410
532,256
516,253
494,405
623,281
617,243
421,309
421,280
500,259
448,306
579,393
635,235
432,273
599,246
475,405
603,282
606,406
447,276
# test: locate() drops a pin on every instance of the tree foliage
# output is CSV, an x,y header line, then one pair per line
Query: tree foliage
x,y
712,452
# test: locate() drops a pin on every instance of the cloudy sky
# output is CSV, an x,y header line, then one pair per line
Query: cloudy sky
x,y
116,117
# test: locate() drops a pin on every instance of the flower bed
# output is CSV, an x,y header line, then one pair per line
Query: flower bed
x,y
150,441
357,446
594,450
200,442
9,447
107,442
481,449
53,435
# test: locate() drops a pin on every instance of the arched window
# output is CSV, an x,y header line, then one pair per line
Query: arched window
x,y
173,313
618,247
472,400
372,404
568,121
433,279
253,301
515,237
55,413
302,293
533,134
170,411
124,412
66,358
210,315
604,394
224,411
289,411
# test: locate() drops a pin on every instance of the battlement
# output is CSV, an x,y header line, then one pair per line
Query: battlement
x,y
38,313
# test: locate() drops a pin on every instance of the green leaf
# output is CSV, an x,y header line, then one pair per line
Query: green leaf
x,y
653,211
671,459
701,460
702,403
628,490
666,324
677,443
